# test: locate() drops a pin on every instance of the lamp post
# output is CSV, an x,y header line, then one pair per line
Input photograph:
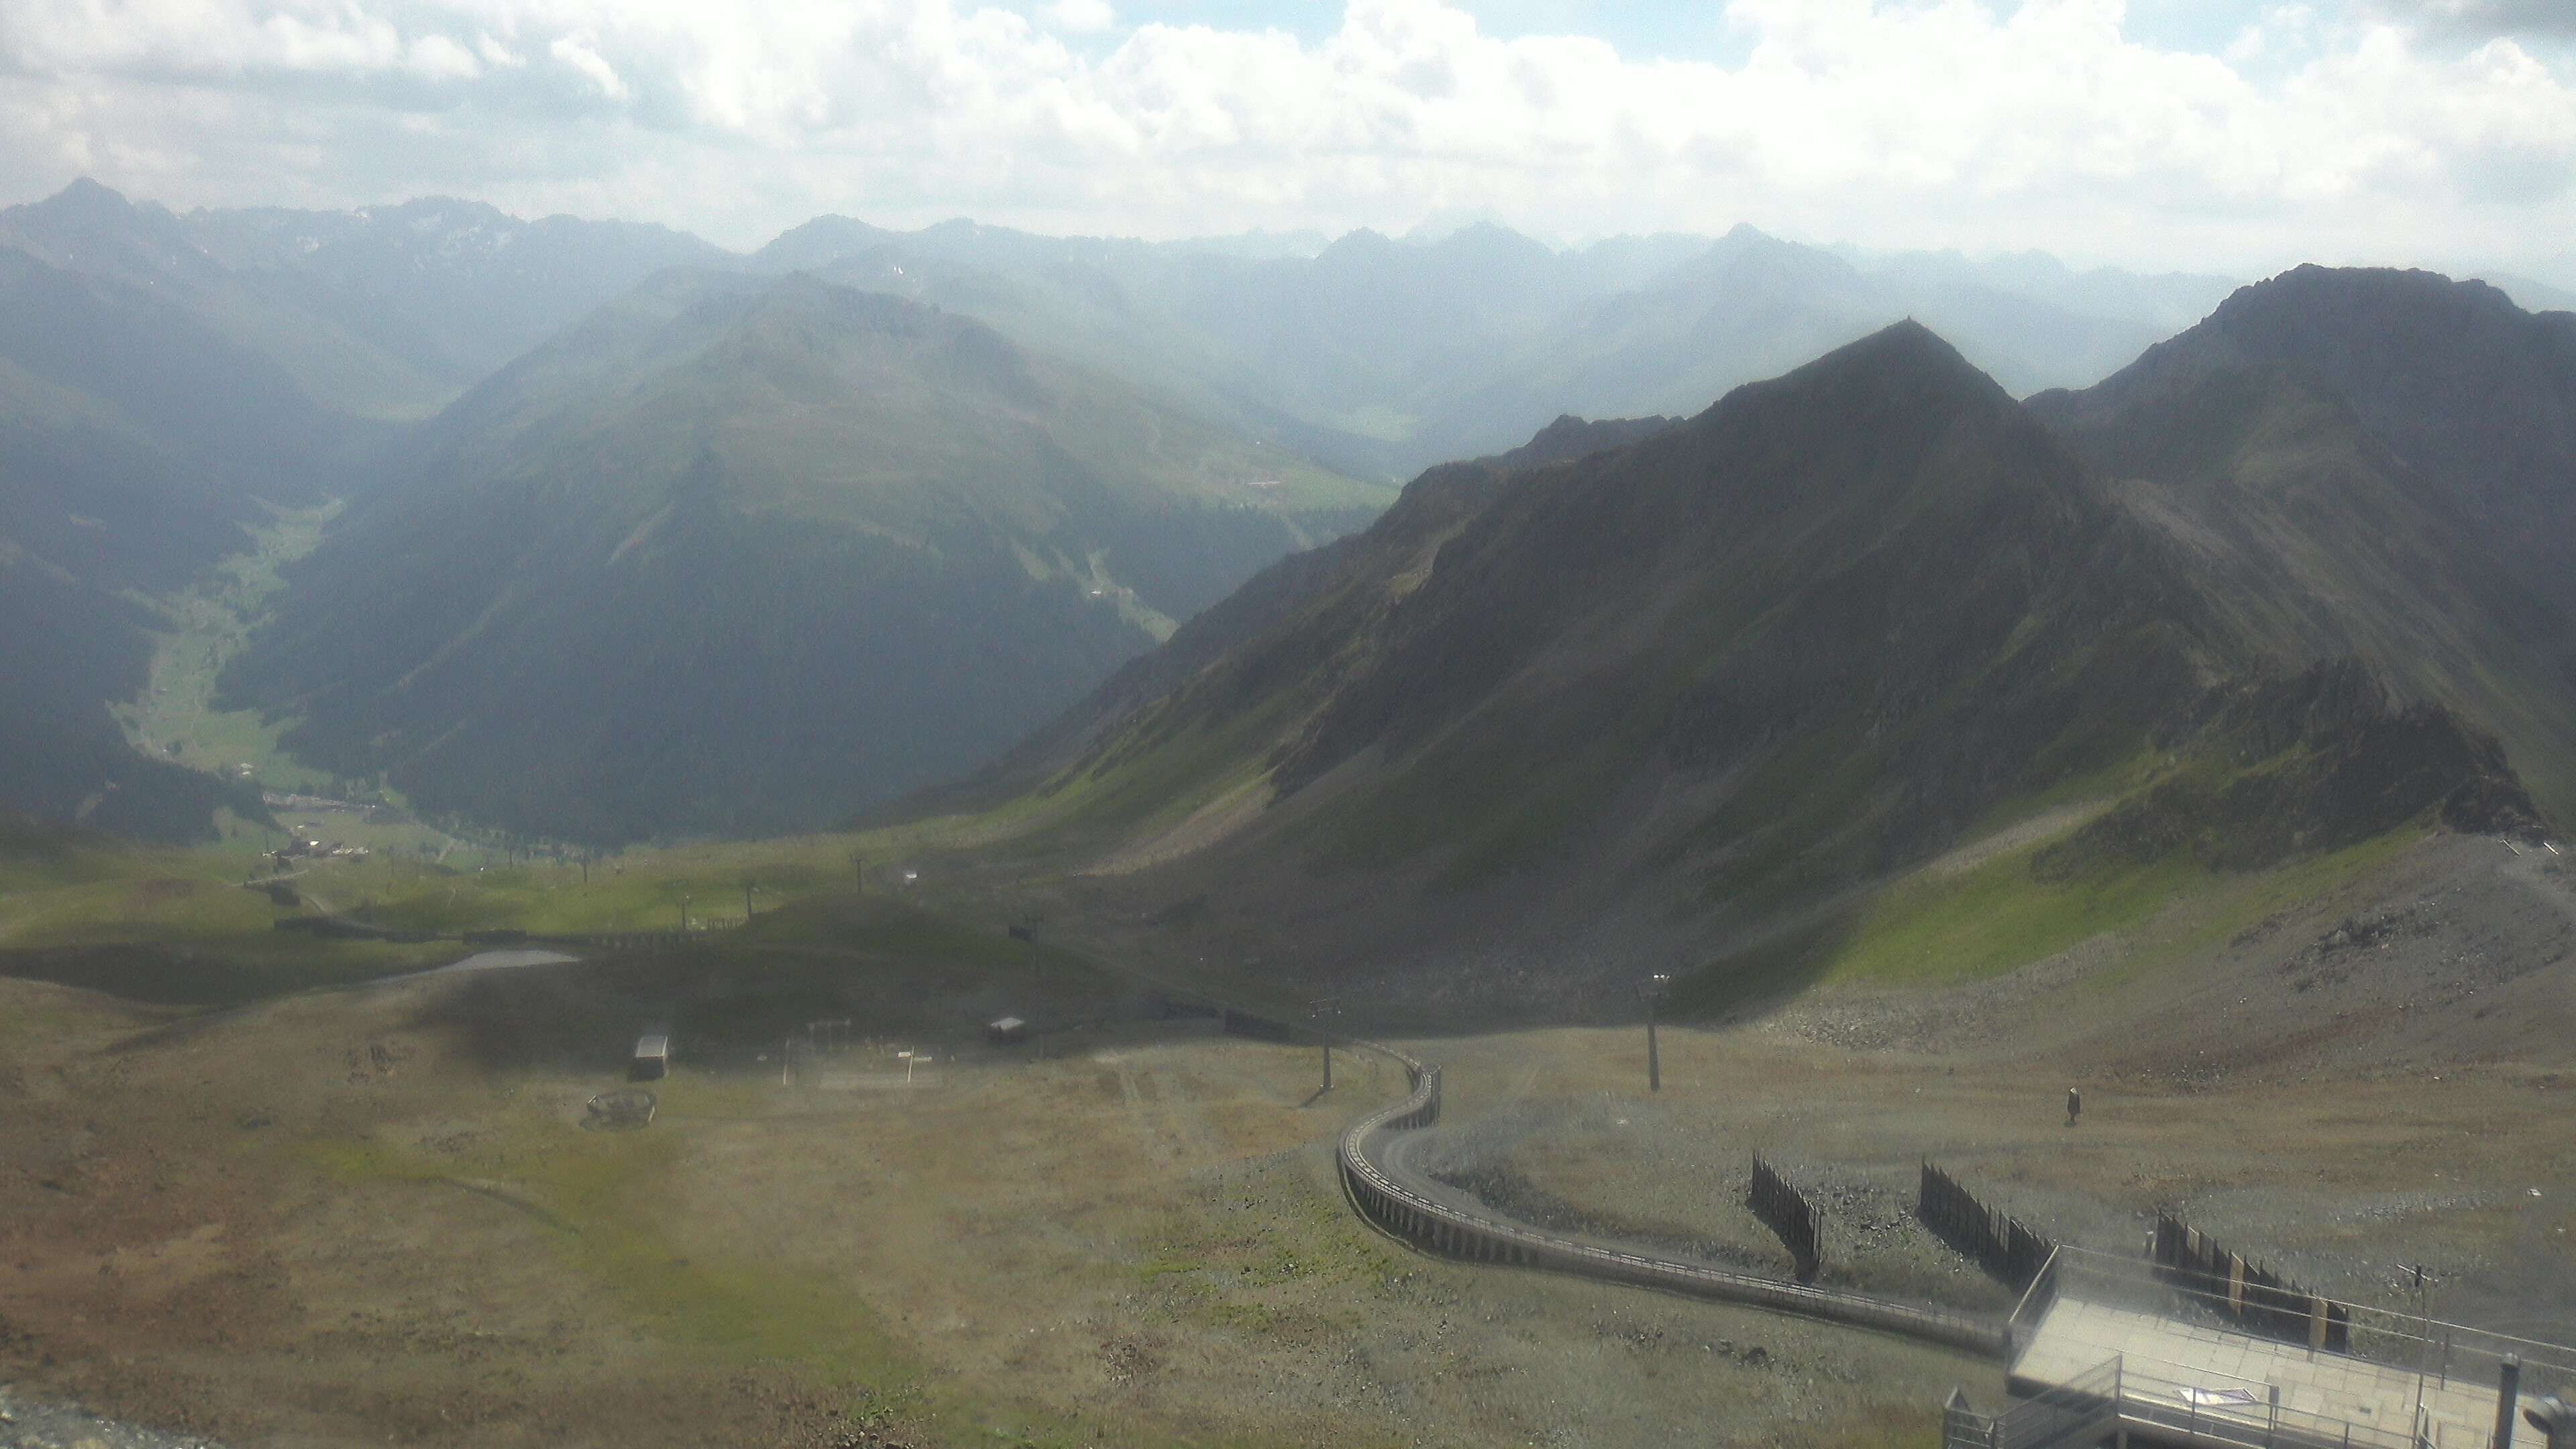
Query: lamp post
x,y
1652,991
1322,1010
2424,1344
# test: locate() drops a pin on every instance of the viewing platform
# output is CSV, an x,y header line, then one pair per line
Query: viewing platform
x,y
2106,1351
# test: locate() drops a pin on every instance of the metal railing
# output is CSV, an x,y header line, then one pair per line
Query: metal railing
x,y
2084,1409
2200,1407
1420,1219
2444,1352
2214,1408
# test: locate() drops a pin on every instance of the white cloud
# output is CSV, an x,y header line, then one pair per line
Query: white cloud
x,y
1931,122
1083,16
581,54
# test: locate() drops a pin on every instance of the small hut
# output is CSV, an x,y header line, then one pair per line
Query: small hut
x,y
652,1057
1009,1031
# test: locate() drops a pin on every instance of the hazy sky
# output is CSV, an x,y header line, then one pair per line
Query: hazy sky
x,y
2200,133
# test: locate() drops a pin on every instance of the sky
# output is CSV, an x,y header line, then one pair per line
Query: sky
x,y
2218,135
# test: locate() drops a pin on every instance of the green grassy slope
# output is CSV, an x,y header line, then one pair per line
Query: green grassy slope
x,y
747,555
195,926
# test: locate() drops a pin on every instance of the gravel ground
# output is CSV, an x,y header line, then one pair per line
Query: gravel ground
x,y
31,1423
2374,1079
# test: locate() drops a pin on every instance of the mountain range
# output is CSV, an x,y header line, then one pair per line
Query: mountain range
x,y
225,362
645,538
1709,690
1383,356
384,313
742,555
166,379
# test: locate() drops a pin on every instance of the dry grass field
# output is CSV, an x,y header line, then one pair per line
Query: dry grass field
x,y
376,1215
338,1218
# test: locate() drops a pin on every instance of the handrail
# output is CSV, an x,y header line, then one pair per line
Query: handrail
x,y
2378,1334
1422,1221
2119,1392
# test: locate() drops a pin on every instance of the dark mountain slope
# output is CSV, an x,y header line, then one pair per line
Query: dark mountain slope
x,y
136,441
746,555
1321,594
233,415
2466,390
2315,532
1875,557
1709,690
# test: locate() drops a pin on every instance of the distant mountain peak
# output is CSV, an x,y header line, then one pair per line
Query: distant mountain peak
x,y
437,210
1360,241
1493,239
94,228
88,192
2310,299
820,242
1906,336
1572,437
86,202
1902,351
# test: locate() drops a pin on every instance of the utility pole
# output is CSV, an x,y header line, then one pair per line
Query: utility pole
x,y
1322,1010
684,915
1652,991
746,900
858,872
